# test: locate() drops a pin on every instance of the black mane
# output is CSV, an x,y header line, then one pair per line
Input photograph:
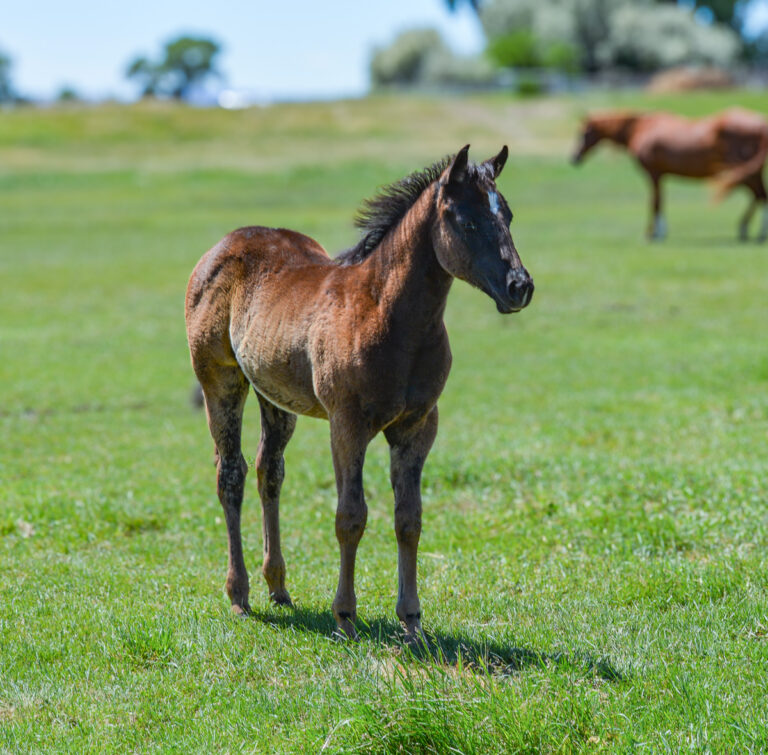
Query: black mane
x,y
381,213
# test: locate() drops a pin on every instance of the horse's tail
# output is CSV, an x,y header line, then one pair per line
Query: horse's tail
x,y
731,178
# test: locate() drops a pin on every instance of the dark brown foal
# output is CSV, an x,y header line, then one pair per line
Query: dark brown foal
x,y
358,340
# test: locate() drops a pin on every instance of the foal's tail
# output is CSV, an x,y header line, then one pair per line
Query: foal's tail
x,y
731,178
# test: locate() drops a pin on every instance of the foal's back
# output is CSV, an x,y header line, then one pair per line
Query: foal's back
x,y
232,272
251,253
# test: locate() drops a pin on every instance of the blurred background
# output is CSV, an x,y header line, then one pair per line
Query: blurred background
x,y
241,55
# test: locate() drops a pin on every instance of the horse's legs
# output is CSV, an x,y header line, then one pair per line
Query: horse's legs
x,y
746,218
760,197
349,440
276,430
763,235
226,390
756,186
657,228
409,446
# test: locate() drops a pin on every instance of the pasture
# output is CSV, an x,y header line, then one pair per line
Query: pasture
x,y
594,559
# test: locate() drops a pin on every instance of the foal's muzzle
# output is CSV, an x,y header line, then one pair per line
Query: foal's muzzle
x,y
519,289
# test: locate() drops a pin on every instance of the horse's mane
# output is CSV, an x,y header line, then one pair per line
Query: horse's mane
x,y
378,215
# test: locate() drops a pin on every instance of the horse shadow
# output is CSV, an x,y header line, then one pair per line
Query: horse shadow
x,y
446,649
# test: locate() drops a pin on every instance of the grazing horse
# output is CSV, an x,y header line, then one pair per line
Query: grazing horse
x,y
358,340
731,146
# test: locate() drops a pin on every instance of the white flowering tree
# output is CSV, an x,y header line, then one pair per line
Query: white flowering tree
x,y
420,57
599,34
669,37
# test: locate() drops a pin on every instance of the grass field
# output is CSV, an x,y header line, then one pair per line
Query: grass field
x,y
594,561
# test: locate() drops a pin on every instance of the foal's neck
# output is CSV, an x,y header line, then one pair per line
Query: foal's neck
x,y
406,274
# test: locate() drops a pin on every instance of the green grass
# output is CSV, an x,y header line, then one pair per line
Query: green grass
x,y
593,567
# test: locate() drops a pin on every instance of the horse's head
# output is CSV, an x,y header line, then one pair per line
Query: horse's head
x,y
591,134
615,126
471,235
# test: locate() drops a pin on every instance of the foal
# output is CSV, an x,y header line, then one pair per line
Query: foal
x,y
358,340
731,146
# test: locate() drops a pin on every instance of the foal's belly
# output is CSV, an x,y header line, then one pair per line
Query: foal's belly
x,y
286,382
286,397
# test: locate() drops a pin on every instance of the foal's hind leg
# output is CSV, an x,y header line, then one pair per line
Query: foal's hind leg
x,y
276,430
226,390
409,446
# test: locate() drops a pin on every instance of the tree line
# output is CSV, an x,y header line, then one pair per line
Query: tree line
x,y
576,36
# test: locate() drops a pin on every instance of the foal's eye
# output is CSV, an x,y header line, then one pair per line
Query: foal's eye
x,y
469,226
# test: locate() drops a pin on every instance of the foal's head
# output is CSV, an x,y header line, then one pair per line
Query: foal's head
x,y
471,234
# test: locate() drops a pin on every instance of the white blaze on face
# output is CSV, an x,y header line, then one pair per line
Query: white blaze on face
x,y
493,201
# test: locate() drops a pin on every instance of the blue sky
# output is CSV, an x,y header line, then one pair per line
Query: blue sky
x,y
290,49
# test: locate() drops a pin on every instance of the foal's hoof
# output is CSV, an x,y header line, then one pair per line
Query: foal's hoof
x,y
241,609
281,598
415,639
345,629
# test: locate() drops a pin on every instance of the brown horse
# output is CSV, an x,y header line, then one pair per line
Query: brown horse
x,y
731,146
358,340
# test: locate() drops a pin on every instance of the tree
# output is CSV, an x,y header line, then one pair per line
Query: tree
x,y
723,11
581,26
420,57
602,34
669,37
729,12
6,89
67,95
405,60
186,63
147,74
474,4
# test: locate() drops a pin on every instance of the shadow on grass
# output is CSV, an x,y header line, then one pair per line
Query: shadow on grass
x,y
484,656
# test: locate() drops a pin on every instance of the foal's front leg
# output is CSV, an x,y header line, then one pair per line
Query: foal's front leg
x,y
409,445
349,440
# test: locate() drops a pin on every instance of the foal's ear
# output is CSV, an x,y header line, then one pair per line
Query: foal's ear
x,y
497,163
458,171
